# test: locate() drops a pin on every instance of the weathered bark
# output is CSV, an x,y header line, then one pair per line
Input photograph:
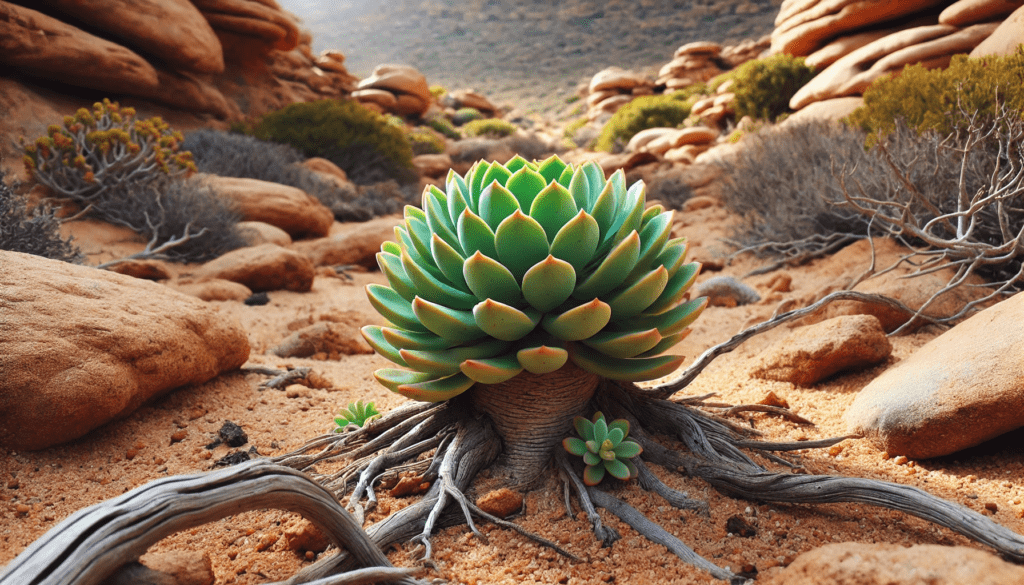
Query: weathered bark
x,y
533,413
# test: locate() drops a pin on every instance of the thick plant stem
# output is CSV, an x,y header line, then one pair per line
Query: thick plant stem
x,y
532,414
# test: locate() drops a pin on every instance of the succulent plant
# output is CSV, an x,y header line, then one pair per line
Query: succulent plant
x,y
604,448
356,413
526,266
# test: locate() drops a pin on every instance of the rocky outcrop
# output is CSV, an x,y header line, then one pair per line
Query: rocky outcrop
x,y
291,209
82,346
612,88
691,63
965,12
407,85
262,268
260,19
1005,39
960,389
350,243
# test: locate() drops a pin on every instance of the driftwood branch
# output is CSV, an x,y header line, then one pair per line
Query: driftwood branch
x,y
95,542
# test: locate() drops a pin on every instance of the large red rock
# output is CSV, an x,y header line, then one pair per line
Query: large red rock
x,y
857,563
964,12
289,208
1005,39
960,389
41,46
403,81
262,268
810,25
80,347
263,20
171,30
350,243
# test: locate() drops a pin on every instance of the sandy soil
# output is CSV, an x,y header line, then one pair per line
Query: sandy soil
x,y
169,435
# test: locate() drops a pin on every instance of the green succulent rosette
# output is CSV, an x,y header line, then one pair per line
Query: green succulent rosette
x,y
525,266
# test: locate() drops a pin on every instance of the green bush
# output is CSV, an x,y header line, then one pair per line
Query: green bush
x,y
32,232
492,127
763,87
444,126
650,111
356,139
426,141
465,115
942,99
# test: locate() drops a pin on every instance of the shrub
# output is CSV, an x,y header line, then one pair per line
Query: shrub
x,y
104,149
935,99
489,127
32,232
444,126
651,111
356,139
438,91
763,87
464,115
426,141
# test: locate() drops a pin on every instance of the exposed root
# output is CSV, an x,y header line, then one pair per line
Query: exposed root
x,y
605,534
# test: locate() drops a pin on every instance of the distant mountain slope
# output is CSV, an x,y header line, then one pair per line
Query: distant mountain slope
x,y
524,51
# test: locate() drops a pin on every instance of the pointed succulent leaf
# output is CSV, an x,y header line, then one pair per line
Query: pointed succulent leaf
x,y
615,435
433,289
565,179
673,255
390,247
600,430
392,378
449,261
520,242
456,202
551,168
649,214
579,322
628,218
627,449
579,187
452,182
419,233
595,174
407,245
413,212
476,183
515,163
525,184
375,337
577,240
624,344
675,289
548,283
666,343
402,339
492,370
598,416
674,320
625,369
489,279
391,266
634,298
621,424
496,174
613,269
436,390
542,359
574,446
652,242
593,473
617,469
553,208
452,324
475,235
606,206
504,322
584,427
393,307
438,220
446,362
497,203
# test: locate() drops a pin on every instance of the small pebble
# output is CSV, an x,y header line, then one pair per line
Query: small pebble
x,y
178,435
991,507
901,460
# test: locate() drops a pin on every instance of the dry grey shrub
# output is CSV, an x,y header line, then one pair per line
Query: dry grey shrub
x,y
34,231
237,155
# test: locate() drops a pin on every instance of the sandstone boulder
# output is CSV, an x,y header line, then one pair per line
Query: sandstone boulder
x,y
171,30
381,97
325,340
832,109
1005,39
256,233
253,18
351,243
405,82
262,268
467,98
42,46
432,165
615,78
815,352
958,390
807,26
325,167
964,12
211,289
147,269
849,563
82,346
291,209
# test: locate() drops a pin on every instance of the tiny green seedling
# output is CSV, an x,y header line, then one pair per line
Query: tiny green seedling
x,y
356,413
604,448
